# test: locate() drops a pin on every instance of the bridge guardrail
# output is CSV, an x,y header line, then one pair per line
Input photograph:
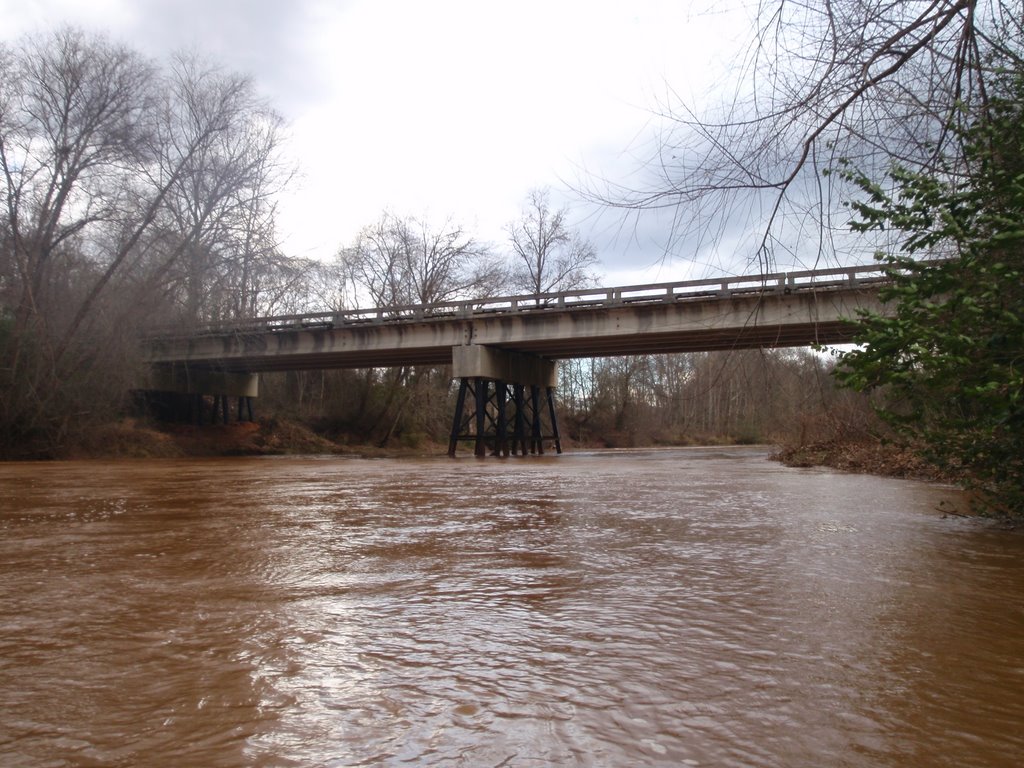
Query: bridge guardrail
x,y
715,287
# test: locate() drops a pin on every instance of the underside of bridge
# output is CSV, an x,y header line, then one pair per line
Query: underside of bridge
x,y
551,332
505,404
179,392
503,360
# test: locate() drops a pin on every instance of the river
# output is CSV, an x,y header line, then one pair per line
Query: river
x,y
693,607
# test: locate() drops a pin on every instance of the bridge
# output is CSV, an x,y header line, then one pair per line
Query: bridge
x,y
503,349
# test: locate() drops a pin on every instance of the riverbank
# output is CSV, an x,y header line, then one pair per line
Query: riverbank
x,y
865,456
133,438
140,439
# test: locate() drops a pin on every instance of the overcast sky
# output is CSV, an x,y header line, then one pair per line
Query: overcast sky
x,y
445,108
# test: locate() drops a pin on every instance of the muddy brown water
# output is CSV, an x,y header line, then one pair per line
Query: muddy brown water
x,y
686,607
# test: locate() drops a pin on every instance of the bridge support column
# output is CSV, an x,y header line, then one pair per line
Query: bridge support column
x,y
493,408
180,393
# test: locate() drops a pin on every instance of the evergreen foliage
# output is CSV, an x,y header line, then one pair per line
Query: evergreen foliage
x,y
950,358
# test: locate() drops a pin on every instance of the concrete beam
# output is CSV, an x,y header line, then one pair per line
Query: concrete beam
x,y
477,361
184,379
361,346
689,324
743,322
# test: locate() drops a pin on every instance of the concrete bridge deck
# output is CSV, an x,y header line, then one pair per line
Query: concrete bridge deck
x,y
775,310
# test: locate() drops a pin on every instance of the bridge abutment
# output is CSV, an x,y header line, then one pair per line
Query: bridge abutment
x,y
179,392
506,401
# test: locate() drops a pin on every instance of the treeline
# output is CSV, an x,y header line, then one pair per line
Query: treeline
x,y
746,396
743,396
135,193
141,194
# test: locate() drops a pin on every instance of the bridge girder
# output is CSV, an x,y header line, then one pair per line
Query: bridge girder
x,y
685,325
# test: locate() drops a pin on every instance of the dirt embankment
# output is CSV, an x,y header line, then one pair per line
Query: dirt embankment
x,y
867,456
137,438
132,438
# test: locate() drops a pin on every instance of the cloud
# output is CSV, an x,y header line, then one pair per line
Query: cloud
x,y
261,37
440,109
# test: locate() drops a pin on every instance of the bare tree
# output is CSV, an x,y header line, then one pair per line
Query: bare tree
x,y
547,254
216,222
112,170
75,127
170,193
329,286
876,82
407,261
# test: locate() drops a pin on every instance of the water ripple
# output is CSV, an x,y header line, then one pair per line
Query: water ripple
x,y
671,608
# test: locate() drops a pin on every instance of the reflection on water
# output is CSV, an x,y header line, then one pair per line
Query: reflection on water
x,y
689,607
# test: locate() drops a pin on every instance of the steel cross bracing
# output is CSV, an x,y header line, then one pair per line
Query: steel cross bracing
x,y
503,418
